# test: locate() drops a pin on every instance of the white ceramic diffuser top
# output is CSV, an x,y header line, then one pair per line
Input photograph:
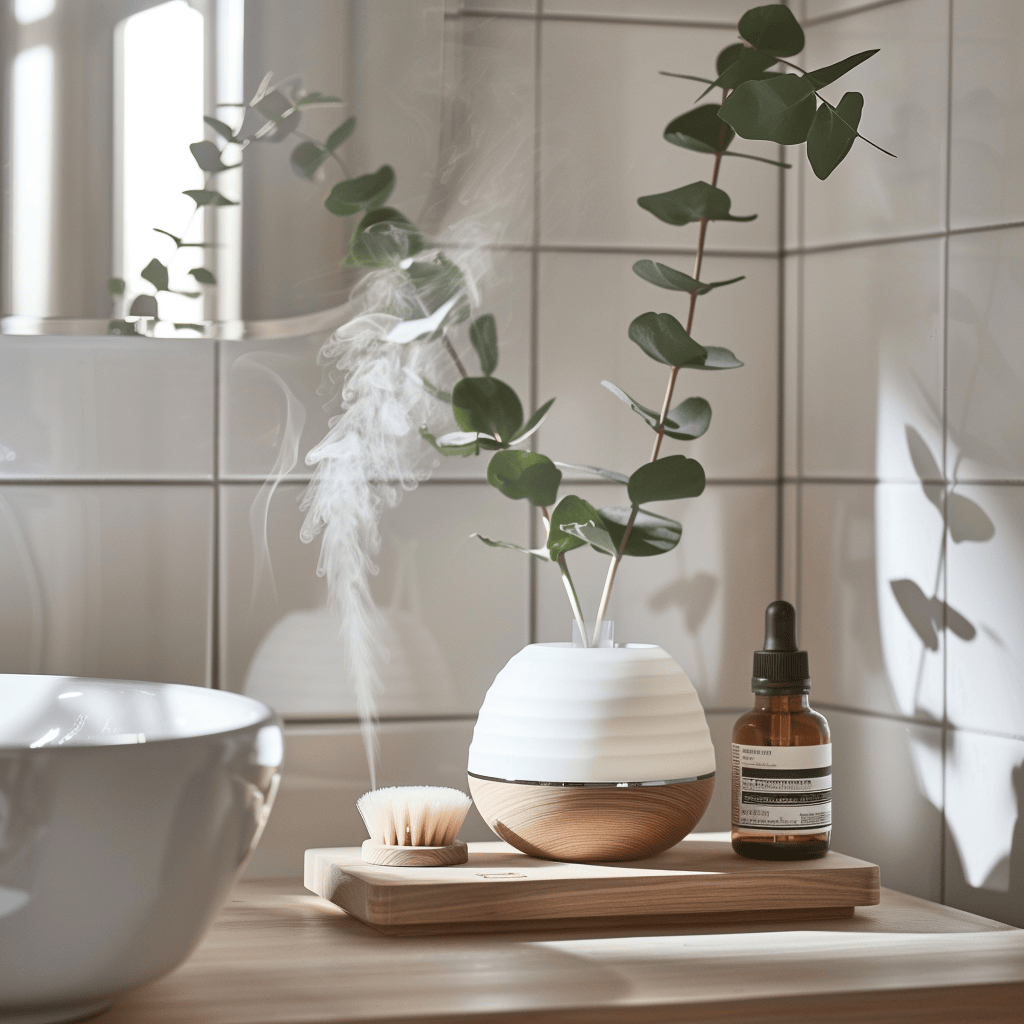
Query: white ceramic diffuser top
x,y
558,713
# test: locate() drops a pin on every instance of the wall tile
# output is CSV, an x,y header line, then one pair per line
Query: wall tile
x,y
872,362
722,12
887,799
325,773
870,585
824,8
792,268
703,602
985,591
447,632
604,108
586,304
987,123
273,408
986,364
106,581
985,825
125,407
485,186
871,195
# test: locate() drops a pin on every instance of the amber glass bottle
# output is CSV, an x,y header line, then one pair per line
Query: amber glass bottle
x,y
781,755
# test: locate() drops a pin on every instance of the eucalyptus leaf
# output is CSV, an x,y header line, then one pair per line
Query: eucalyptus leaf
x,y
651,534
676,280
719,359
666,479
519,474
488,406
340,134
777,109
202,275
572,510
595,534
541,553
384,238
826,76
367,192
156,274
307,158
436,280
188,295
663,338
144,305
773,29
208,156
221,128
464,449
606,474
483,333
833,133
534,422
461,437
439,393
691,203
687,421
208,197
727,57
115,285
701,130
750,64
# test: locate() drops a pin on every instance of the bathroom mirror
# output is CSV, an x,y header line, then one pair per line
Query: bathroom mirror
x,y
101,101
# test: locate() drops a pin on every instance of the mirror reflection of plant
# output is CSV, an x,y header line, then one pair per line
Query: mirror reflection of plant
x,y
757,103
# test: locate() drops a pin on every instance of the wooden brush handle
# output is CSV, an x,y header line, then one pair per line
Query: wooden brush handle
x,y
415,856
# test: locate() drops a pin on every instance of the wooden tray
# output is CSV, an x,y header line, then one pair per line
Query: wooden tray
x,y
699,881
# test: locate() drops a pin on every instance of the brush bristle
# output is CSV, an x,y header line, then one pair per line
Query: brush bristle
x,y
413,815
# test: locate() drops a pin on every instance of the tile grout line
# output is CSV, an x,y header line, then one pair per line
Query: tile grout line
x,y
945,438
798,447
823,19
215,545
600,19
780,391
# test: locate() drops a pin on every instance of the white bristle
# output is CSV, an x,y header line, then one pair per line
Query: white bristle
x,y
413,815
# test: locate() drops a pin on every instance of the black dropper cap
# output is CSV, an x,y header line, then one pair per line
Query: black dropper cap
x,y
781,668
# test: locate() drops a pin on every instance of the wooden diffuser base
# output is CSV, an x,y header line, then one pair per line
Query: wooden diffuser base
x,y
591,823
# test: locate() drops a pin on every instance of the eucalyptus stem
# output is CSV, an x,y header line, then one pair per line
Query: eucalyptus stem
x,y
606,593
570,590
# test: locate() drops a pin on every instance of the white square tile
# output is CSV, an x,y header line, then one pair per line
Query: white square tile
x,y
277,400
872,361
486,179
703,602
792,269
496,6
135,407
721,12
107,581
887,798
985,825
871,195
454,610
325,772
985,590
987,123
871,580
824,8
587,302
986,363
604,108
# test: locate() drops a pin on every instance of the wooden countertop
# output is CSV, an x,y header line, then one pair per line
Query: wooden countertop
x,y
280,955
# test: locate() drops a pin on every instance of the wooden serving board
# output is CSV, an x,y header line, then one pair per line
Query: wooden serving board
x,y
699,881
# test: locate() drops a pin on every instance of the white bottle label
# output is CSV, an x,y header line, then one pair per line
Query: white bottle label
x,y
782,790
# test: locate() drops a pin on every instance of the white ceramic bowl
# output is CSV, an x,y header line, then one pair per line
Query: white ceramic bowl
x,y
127,810
563,714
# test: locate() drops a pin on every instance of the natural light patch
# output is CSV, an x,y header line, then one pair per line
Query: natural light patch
x,y
26,12
31,180
159,104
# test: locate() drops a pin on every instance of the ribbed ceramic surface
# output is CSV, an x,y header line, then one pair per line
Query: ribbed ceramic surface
x,y
557,713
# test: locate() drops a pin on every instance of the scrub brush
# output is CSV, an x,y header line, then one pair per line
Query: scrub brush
x,y
414,826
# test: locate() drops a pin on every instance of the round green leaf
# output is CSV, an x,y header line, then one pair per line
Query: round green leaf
x,y
367,192
700,130
156,274
676,280
518,474
488,406
832,134
674,476
688,420
719,359
207,155
384,238
773,29
436,280
826,76
202,275
483,333
115,285
729,56
691,203
778,109
750,64
651,534
570,511
307,158
663,338
340,134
